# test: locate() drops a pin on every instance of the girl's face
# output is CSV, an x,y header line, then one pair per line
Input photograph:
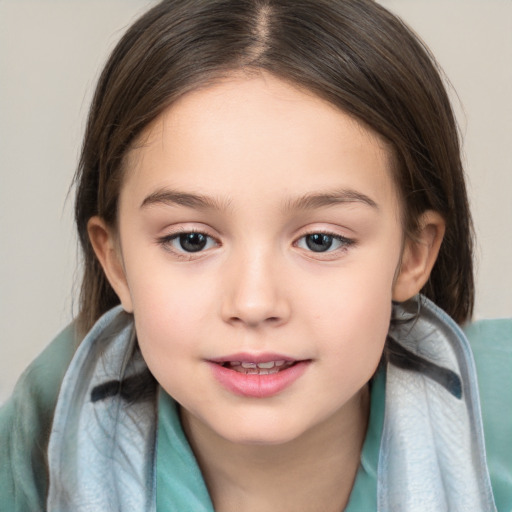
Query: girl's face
x,y
259,225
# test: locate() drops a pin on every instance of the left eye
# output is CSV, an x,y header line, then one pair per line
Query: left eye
x,y
322,242
190,242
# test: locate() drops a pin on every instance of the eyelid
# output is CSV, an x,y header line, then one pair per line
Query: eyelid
x,y
165,242
346,243
337,236
174,232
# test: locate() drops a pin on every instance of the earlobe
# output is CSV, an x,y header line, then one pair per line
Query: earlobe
x,y
418,257
104,243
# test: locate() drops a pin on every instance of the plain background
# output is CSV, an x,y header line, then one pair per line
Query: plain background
x,y
51,52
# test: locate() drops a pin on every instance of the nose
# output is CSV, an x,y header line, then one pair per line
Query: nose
x,y
255,294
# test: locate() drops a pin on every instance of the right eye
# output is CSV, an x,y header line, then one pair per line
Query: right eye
x,y
188,242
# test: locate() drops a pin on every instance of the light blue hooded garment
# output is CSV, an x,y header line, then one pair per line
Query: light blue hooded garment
x,y
432,454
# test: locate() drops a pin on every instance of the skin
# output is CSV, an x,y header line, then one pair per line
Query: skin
x,y
253,147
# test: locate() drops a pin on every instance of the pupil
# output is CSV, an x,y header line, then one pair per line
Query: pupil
x,y
319,242
192,242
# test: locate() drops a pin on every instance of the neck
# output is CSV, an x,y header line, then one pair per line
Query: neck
x,y
313,472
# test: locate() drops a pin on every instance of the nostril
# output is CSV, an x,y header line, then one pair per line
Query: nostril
x,y
247,320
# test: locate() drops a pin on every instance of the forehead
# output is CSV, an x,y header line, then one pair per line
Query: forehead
x,y
264,134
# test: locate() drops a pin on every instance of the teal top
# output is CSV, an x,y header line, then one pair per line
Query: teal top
x,y
491,342
25,424
180,485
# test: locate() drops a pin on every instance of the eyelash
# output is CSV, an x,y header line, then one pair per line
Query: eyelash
x,y
166,243
344,242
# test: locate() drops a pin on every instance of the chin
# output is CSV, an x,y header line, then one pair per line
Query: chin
x,y
270,433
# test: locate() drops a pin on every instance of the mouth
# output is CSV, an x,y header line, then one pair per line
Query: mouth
x,y
253,368
257,376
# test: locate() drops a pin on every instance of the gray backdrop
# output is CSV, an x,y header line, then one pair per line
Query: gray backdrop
x,y
51,52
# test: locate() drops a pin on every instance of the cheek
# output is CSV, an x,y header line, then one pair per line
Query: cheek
x,y
356,329
352,314
171,329
172,312
353,338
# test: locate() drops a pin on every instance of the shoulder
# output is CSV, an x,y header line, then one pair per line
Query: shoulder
x,y
491,343
25,424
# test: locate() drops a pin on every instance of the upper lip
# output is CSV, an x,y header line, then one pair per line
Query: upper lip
x,y
253,358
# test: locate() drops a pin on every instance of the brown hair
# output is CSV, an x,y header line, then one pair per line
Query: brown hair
x,y
353,53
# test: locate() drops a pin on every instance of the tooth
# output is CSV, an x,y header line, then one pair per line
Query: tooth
x,y
234,363
279,363
268,365
264,372
248,365
252,371
273,370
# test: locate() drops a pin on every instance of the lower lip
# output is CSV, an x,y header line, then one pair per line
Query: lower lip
x,y
258,386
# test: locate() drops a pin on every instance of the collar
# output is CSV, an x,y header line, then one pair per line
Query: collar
x,y
432,454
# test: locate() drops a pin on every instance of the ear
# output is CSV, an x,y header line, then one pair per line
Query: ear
x,y
418,257
105,244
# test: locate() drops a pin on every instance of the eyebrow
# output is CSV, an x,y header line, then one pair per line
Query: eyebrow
x,y
330,198
174,197
305,202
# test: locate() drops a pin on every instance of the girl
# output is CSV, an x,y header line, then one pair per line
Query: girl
x,y
265,189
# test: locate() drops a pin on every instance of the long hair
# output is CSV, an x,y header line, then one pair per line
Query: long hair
x,y
352,53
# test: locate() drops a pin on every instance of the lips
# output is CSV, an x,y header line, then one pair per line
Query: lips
x,y
251,368
258,376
